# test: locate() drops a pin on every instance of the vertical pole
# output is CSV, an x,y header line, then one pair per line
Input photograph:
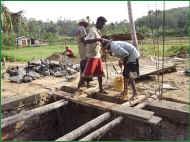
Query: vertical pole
x,y
132,25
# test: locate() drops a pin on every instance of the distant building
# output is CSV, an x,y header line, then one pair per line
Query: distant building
x,y
23,41
26,41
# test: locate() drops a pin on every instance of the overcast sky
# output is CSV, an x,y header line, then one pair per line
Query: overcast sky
x,y
75,10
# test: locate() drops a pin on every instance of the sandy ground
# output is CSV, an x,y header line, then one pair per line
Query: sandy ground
x,y
176,79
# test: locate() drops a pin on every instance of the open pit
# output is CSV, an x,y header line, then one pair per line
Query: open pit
x,y
56,116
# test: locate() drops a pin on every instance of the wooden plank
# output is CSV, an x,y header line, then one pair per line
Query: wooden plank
x,y
102,105
73,135
124,110
174,111
34,112
132,112
113,98
177,100
150,70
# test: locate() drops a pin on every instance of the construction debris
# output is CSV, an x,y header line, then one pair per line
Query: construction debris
x,y
187,72
36,69
169,87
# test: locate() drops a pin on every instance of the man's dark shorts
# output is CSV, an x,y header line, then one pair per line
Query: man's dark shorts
x,y
82,68
83,65
131,67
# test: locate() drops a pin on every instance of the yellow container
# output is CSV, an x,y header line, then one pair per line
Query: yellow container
x,y
118,83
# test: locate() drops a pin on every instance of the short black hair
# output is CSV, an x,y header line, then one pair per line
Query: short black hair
x,y
102,19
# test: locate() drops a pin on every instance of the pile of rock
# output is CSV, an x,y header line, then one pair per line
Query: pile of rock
x,y
38,68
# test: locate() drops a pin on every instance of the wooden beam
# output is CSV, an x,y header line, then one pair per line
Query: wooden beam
x,y
174,111
73,135
108,98
101,131
102,105
151,70
132,112
13,102
34,112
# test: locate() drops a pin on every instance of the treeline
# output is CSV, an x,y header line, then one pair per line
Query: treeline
x,y
176,22
51,31
54,31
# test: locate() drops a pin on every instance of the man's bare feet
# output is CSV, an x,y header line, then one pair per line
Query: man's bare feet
x,y
133,97
103,91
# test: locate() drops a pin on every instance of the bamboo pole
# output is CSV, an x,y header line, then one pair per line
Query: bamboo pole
x,y
101,131
73,135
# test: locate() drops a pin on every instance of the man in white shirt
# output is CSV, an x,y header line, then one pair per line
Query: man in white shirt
x,y
93,41
129,56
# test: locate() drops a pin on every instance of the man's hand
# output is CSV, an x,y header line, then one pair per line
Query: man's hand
x,y
99,39
120,63
125,59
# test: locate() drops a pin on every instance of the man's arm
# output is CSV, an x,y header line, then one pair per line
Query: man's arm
x,y
86,41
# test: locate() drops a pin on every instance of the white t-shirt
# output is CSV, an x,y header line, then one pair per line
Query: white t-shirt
x,y
93,49
122,49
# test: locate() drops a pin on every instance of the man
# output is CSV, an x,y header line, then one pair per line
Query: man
x,y
81,33
68,52
93,41
129,57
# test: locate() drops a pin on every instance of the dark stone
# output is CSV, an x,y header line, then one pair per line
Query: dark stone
x,y
187,72
13,71
27,79
71,71
34,75
16,79
59,74
45,73
76,67
35,62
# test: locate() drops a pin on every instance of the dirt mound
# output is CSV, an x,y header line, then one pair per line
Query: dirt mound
x,y
57,56
183,53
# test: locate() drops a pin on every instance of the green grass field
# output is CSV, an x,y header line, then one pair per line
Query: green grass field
x,y
29,53
169,50
147,49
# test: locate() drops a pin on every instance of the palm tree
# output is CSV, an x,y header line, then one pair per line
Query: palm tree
x,y
10,21
6,21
